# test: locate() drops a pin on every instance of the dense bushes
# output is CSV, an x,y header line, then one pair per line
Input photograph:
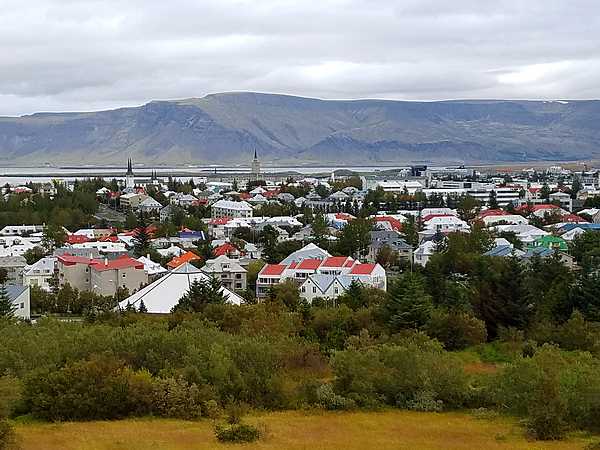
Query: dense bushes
x,y
406,374
555,390
75,371
99,388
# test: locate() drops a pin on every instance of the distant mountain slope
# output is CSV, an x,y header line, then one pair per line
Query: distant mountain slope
x,y
225,128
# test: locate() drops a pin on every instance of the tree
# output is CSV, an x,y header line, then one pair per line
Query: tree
x,y
468,208
545,192
355,237
319,229
575,187
142,240
34,254
387,257
200,294
54,236
142,308
408,304
7,309
286,293
493,201
410,230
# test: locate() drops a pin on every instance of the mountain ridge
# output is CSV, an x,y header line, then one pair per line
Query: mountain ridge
x,y
225,128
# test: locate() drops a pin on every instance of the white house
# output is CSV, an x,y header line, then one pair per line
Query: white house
x,y
424,252
162,295
228,208
21,300
40,273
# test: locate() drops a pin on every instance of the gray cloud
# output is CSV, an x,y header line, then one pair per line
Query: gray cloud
x,y
81,55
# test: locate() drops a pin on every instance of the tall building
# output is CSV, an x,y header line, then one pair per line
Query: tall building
x,y
255,167
129,177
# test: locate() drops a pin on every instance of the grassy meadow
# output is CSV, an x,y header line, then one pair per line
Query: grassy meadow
x,y
395,430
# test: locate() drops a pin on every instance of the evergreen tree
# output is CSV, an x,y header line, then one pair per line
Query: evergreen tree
x,y
545,192
408,304
319,229
142,308
200,294
141,237
493,201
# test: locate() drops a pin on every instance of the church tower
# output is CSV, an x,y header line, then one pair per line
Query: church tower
x,y
255,167
129,178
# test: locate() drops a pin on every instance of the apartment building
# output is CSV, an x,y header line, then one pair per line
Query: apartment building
x,y
102,277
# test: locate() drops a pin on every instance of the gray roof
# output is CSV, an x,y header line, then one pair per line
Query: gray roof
x,y
15,291
13,261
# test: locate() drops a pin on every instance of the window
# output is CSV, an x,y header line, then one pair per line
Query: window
x,y
238,276
124,275
314,290
303,289
22,305
336,290
238,285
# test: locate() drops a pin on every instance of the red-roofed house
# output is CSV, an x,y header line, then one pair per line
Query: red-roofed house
x,y
321,277
187,257
102,277
229,250
77,239
390,223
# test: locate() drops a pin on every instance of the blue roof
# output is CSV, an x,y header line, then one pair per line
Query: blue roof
x,y
583,226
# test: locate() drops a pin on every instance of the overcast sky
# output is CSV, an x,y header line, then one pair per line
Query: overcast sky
x,y
61,55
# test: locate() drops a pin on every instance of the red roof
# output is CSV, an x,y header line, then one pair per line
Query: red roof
x,y
220,221
343,216
77,239
534,208
70,260
124,262
270,194
428,217
180,260
309,264
335,261
293,264
225,249
533,190
109,239
362,269
492,212
574,218
244,196
394,223
273,269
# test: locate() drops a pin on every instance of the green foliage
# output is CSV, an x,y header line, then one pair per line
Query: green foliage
x,y
200,294
355,237
99,388
456,329
408,304
176,397
7,308
237,433
404,374
555,390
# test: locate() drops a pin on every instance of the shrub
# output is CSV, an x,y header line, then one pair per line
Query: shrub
x,y
175,397
553,389
237,433
456,330
10,395
401,374
99,388
328,399
6,435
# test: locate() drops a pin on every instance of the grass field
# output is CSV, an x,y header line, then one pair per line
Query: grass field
x,y
396,430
